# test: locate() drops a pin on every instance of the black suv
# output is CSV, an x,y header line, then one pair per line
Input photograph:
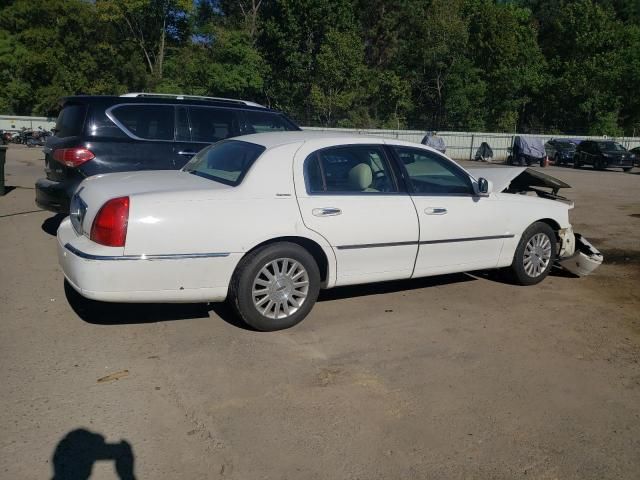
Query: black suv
x,y
603,154
140,131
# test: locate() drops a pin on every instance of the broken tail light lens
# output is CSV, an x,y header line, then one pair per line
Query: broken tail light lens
x,y
110,225
73,157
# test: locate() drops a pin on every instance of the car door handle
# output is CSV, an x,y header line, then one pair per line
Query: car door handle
x,y
326,212
187,153
435,210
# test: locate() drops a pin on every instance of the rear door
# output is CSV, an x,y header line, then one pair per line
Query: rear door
x,y
148,145
351,196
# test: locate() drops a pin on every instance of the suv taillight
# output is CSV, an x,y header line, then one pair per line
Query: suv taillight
x,y
110,225
73,157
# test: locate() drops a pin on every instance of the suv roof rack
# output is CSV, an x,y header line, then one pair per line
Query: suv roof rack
x,y
178,96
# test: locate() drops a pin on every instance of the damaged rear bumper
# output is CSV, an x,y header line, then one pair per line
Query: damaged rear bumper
x,y
584,260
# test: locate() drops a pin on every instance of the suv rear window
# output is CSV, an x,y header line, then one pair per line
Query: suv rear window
x,y
148,122
70,120
225,162
260,122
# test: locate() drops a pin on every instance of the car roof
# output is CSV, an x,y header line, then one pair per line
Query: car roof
x,y
274,139
114,100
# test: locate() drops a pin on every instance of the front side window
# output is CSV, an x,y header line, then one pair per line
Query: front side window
x,y
433,175
259,122
149,122
225,162
611,147
210,124
349,170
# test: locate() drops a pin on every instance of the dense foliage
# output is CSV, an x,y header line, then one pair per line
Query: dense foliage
x,y
528,65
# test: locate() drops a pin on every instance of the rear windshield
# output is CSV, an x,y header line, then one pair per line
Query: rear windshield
x,y
70,120
225,162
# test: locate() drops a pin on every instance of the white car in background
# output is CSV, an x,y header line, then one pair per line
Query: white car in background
x,y
268,220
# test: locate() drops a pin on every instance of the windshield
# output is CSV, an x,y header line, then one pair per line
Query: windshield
x,y
611,146
225,162
565,144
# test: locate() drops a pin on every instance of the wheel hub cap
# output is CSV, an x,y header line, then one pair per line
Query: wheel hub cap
x,y
537,255
280,288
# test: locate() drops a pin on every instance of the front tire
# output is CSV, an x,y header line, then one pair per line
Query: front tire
x,y
535,255
275,286
626,169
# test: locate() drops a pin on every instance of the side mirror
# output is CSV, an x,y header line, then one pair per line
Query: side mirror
x,y
484,187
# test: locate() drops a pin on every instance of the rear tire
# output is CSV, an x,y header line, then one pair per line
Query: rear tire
x,y
535,255
627,169
275,286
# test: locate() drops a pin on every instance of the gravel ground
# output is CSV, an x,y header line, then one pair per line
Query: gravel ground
x,y
458,376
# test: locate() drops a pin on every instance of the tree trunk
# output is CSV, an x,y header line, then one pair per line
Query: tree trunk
x,y
161,48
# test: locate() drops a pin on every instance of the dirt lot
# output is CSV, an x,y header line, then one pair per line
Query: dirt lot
x,y
459,376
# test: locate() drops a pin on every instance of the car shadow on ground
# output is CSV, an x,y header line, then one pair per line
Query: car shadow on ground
x,y
380,288
104,313
51,224
80,449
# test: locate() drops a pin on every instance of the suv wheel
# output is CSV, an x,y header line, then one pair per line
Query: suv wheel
x,y
275,286
535,254
576,161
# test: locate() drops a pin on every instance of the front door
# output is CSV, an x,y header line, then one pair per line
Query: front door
x,y
352,197
459,231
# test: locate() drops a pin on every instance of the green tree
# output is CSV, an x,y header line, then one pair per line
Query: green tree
x,y
150,24
338,83
60,48
291,35
503,45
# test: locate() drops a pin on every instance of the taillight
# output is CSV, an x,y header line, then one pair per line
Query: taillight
x,y
110,225
73,157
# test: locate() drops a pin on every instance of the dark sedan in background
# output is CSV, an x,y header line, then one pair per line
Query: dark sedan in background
x,y
603,154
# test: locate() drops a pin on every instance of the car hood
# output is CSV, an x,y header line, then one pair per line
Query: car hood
x,y
518,179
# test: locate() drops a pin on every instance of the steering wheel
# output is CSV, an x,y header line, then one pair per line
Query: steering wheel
x,y
380,181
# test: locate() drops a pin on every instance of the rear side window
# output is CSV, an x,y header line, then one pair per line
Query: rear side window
x,y
354,169
71,120
259,122
149,122
213,124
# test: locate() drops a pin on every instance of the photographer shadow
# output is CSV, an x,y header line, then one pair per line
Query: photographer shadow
x,y
80,449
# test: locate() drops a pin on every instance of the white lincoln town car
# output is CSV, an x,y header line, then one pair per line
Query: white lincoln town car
x,y
267,220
